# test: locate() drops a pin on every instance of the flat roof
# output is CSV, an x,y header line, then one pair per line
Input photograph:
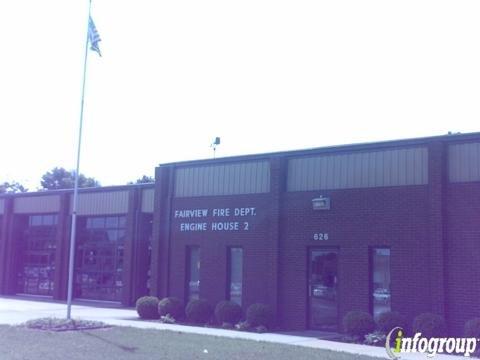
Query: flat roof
x,y
450,137
80,190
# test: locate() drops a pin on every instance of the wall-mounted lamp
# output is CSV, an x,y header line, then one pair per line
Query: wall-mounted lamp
x,y
321,203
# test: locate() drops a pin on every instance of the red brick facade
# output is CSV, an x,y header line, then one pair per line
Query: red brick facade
x,y
462,276
432,231
428,222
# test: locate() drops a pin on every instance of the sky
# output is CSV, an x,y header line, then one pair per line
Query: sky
x,y
262,75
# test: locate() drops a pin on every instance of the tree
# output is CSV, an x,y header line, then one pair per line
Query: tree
x,y
12,188
59,178
143,180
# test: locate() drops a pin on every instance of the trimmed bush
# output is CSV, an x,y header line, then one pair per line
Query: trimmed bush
x,y
390,319
430,325
472,328
358,324
198,311
260,315
147,307
172,306
228,312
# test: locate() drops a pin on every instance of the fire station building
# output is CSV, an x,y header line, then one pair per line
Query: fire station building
x,y
313,233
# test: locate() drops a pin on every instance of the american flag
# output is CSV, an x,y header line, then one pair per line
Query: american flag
x,y
93,36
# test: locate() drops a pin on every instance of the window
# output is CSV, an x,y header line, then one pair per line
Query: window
x,y
235,275
380,262
49,220
35,220
99,257
146,238
193,272
36,262
42,220
111,222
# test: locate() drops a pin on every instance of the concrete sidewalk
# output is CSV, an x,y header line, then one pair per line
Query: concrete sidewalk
x,y
14,311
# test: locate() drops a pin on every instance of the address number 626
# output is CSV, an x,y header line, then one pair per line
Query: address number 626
x,y
320,236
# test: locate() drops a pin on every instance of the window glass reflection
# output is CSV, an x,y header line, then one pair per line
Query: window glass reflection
x,y
100,254
111,222
236,274
193,272
381,281
97,223
36,264
323,284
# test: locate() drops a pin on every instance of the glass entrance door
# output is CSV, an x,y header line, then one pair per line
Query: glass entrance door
x,y
322,284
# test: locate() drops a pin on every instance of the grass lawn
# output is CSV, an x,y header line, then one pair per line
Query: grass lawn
x,y
120,343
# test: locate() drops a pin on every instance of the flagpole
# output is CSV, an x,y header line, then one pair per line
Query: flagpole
x,y
71,259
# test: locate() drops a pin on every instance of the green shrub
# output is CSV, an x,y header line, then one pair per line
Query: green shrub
x,y
260,315
147,307
430,325
472,328
228,312
198,311
172,306
358,324
390,319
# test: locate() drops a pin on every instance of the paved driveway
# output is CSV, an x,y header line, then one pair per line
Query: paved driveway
x,y
14,311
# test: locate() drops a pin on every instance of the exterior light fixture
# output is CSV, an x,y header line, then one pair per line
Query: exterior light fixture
x,y
321,203
214,145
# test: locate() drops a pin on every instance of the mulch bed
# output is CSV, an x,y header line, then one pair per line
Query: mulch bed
x,y
56,324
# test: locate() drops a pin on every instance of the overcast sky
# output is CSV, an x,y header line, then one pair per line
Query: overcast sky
x,y
263,75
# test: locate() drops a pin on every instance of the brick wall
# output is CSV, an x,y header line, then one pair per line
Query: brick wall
x,y
463,254
432,230
258,245
358,219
